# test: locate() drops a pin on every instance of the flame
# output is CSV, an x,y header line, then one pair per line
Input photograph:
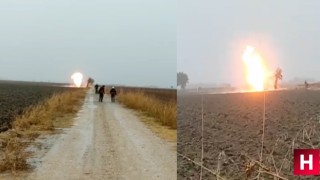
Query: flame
x,y
256,72
77,79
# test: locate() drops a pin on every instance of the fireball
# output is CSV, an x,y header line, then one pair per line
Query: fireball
x,y
77,79
255,69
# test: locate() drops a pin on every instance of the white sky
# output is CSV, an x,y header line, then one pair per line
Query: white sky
x,y
212,36
114,41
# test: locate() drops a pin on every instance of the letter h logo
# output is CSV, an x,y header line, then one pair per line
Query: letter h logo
x,y
306,162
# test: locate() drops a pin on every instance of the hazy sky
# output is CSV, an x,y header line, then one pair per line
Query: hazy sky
x,y
113,41
212,35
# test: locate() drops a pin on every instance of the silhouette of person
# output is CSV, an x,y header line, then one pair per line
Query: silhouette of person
x,y
113,93
306,84
101,93
97,88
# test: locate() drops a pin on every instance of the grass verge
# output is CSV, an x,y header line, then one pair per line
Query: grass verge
x,y
40,119
165,112
163,132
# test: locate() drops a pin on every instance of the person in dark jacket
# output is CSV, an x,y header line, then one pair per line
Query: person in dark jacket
x,y
113,93
101,93
97,88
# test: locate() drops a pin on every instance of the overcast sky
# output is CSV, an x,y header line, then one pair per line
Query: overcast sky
x,y
113,41
212,36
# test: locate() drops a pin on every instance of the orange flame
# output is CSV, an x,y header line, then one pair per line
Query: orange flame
x,y
77,79
256,72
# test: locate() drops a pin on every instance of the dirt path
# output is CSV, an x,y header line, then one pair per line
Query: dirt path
x,y
108,142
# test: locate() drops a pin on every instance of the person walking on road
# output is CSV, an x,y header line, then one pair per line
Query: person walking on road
x,y
101,93
97,88
113,93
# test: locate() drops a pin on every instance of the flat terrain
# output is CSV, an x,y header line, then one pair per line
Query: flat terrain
x,y
166,95
107,141
15,97
233,132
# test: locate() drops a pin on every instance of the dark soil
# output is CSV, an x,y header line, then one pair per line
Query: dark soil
x,y
233,131
16,97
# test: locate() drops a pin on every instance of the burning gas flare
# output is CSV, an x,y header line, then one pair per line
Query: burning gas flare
x,y
256,72
77,79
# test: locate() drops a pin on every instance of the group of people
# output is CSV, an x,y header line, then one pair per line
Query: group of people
x,y
102,90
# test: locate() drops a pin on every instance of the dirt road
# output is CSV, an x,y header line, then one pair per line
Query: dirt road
x,y
108,141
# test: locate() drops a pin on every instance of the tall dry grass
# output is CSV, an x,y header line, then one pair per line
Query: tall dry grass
x,y
43,115
12,156
163,111
36,120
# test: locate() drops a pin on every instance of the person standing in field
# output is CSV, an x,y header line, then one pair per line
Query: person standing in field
x,y
306,84
113,93
101,93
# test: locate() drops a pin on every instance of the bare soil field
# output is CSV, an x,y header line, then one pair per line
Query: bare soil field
x,y
232,136
15,97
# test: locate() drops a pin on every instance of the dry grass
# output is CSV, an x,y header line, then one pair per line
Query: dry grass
x,y
12,156
281,168
165,112
40,119
163,132
44,115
